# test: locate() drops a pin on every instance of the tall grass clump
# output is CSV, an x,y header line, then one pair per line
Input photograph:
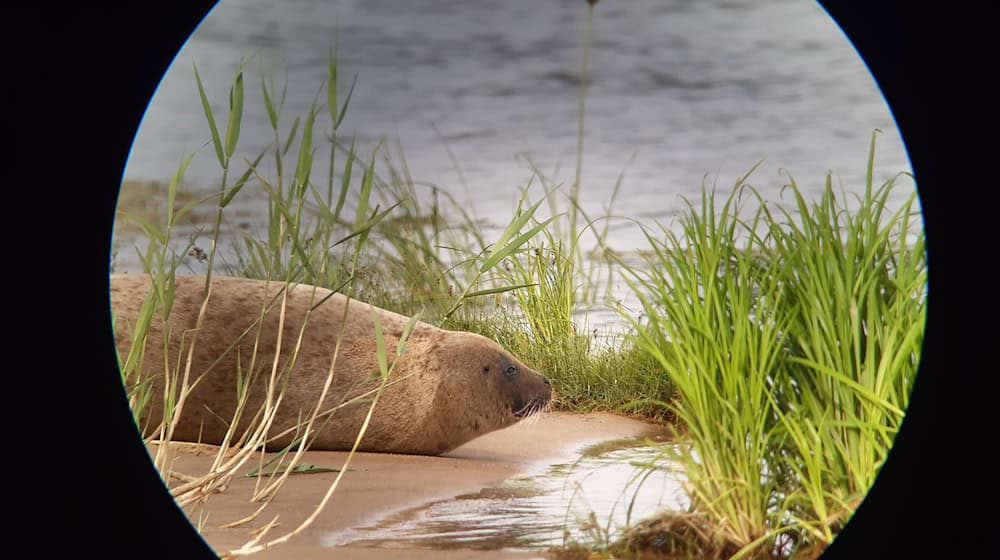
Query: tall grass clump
x,y
556,278
416,258
707,304
792,337
541,321
855,286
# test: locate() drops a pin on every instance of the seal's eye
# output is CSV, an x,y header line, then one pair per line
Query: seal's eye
x,y
511,371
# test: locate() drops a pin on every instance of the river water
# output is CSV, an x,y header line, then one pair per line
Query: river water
x,y
680,93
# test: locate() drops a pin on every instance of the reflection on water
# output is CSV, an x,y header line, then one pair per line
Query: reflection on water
x,y
593,498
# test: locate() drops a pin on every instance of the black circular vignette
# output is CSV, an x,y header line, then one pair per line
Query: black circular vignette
x,y
98,485
158,37
914,52
85,74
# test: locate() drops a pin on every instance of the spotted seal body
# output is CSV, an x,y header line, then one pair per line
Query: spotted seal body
x,y
447,388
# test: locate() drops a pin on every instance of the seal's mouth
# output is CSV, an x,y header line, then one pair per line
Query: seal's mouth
x,y
533,406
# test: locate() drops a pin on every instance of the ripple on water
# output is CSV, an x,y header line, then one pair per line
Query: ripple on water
x,y
596,496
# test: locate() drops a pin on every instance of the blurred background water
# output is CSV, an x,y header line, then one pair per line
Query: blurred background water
x,y
681,92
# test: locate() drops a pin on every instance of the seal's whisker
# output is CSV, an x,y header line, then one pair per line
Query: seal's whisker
x,y
532,412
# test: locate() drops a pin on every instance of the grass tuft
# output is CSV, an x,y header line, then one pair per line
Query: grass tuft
x,y
792,338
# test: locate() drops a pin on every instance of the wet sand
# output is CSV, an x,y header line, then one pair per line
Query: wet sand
x,y
379,484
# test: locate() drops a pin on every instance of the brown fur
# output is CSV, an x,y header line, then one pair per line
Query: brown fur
x,y
454,386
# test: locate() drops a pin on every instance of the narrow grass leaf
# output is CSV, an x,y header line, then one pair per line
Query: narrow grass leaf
x,y
407,329
299,468
291,135
175,181
366,190
143,321
365,227
150,229
238,185
180,212
383,362
508,249
498,290
520,218
272,112
345,182
304,167
216,142
331,89
235,115
347,100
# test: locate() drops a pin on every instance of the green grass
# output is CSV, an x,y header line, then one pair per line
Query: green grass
x,y
792,338
586,376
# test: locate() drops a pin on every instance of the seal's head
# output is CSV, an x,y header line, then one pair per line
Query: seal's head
x,y
522,391
482,388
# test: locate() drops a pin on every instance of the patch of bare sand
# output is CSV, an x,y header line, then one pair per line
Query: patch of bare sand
x,y
378,484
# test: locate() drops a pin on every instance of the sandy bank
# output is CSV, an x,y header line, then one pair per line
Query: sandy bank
x,y
379,484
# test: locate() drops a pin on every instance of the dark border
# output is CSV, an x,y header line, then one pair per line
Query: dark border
x,y
83,80
914,52
84,76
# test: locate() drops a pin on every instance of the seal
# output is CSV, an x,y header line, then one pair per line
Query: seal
x,y
446,388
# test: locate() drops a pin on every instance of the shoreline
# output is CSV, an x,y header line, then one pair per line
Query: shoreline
x,y
378,485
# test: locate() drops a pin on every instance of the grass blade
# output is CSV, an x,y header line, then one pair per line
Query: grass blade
x,y
508,249
498,290
216,142
251,169
235,115
304,167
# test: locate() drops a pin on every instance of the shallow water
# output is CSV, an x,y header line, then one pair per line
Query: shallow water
x,y
595,496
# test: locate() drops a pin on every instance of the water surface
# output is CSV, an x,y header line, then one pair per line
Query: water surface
x,y
681,92
589,500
